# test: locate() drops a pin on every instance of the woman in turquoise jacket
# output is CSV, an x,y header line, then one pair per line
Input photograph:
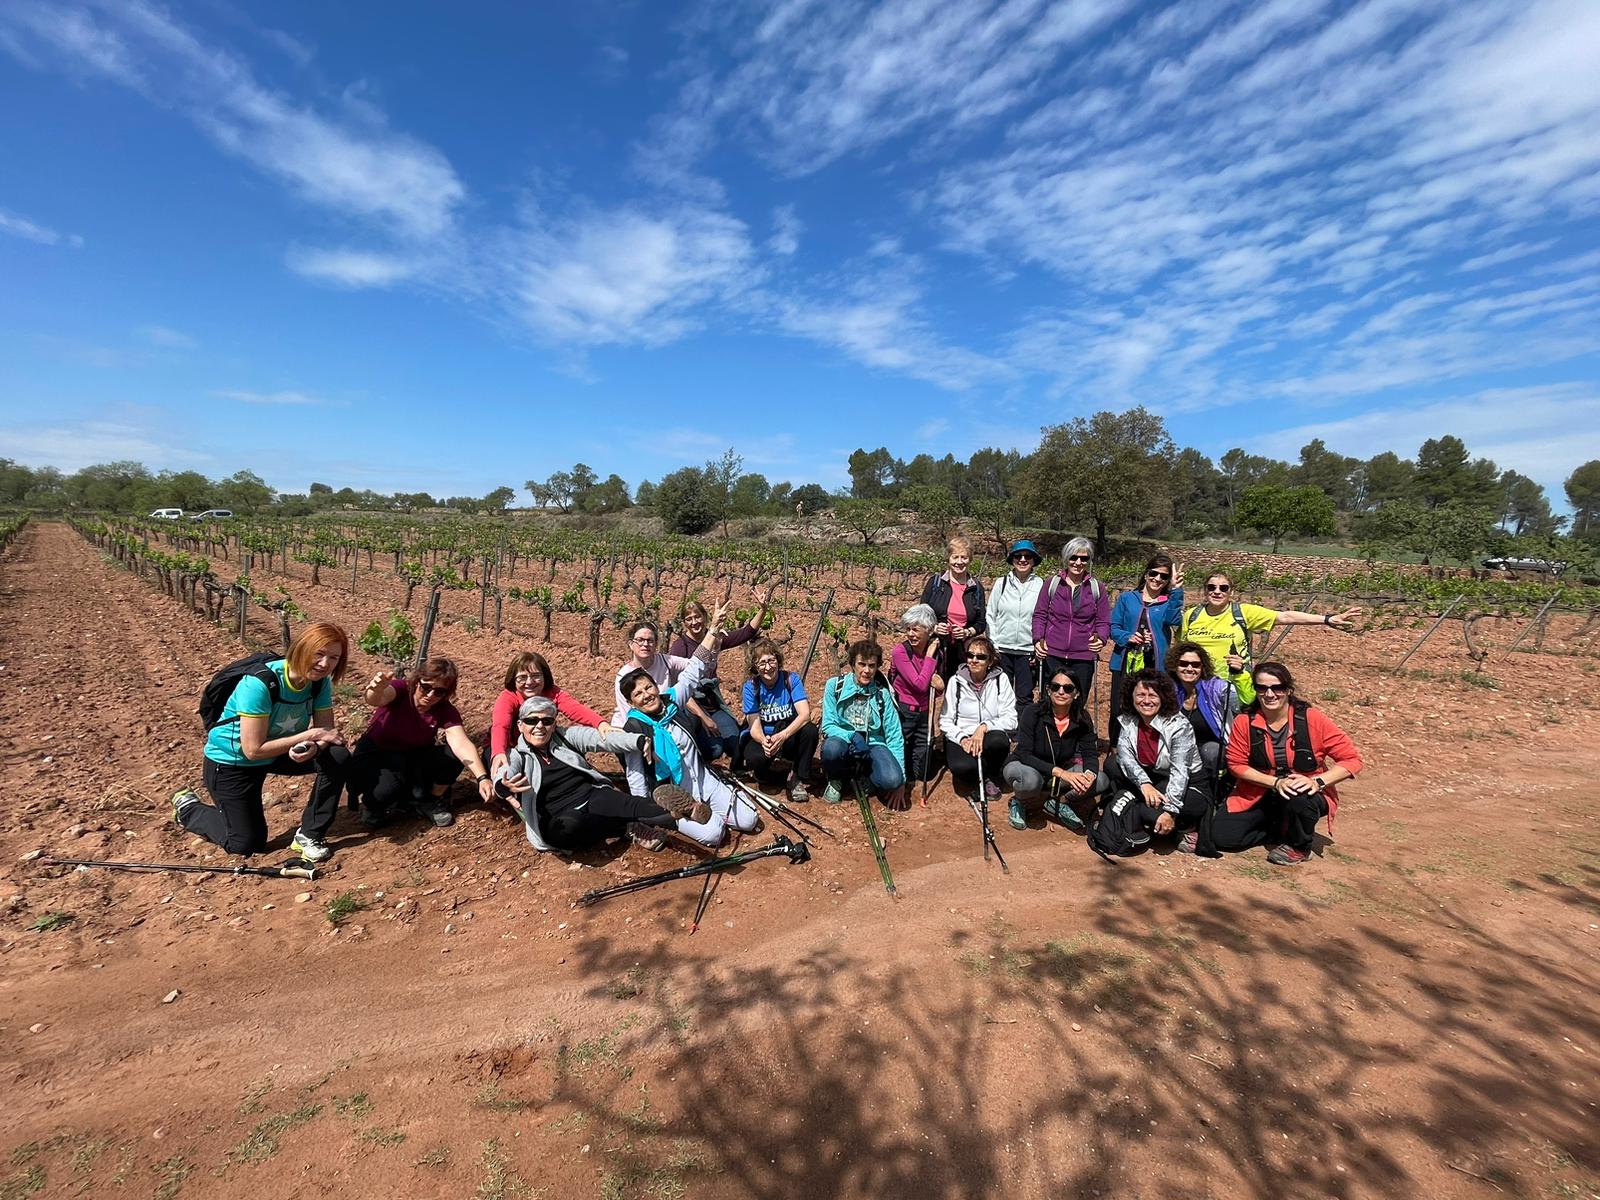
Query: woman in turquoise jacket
x,y
1142,622
861,726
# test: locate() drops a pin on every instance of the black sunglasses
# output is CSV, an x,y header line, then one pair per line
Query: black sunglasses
x,y
1077,558
1219,587
1061,687
1158,575
1188,662
537,721
1271,689
977,658
434,689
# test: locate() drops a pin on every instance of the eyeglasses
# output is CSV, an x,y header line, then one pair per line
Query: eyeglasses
x,y
536,722
527,676
766,662
1077,558
1065,688
643,641
1158,574
433,689
1188,664
1271,689
1219,587
977,658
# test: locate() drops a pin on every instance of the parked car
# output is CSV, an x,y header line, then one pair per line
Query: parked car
x,y
213,514
167,514
1541,566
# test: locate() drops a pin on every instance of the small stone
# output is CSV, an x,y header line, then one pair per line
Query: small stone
x,y
449,928
167,899
1076,1028
36,1028
78,830
238,922
268,907
171,996
49,758
31,855
302,897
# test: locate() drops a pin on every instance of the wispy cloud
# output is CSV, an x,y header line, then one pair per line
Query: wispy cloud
x,y
15,225
351,268
165,338
291,398
73,445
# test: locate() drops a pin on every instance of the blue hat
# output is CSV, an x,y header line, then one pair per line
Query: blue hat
x,y
1023,547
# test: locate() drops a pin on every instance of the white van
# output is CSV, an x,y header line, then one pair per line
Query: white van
x,y
167,514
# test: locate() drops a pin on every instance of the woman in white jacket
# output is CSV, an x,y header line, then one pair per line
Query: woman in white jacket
x,y
1012,600
980,712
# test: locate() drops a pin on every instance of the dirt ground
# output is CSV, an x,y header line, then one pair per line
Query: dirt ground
x,y
1414,1013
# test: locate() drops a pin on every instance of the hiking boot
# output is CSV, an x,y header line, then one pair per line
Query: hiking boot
x,y
1069,817
833,793
798,792
1288,856
1188,842
182,801
681,804
313,850
646,837
435,809
372,818
991,790
1017,815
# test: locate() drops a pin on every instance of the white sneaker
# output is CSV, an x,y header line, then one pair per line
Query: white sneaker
x,y
313,850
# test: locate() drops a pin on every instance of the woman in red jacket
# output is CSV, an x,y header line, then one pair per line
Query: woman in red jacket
x,y
1279,754
528,675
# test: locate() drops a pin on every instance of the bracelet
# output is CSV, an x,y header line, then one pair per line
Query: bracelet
x,y
479,778
1327,618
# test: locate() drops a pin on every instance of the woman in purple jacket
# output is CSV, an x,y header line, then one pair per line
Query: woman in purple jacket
x,y
1072,620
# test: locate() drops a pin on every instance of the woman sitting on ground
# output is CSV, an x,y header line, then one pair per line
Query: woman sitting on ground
x,y
957,602
980,711
1156,758
1278,754
1055,755
1073,619
566,804
528,675
779,716
675,758
1142,622
861,728
1009,617
719,730
916,682
1209,701
398,761
1222,627
643,638
277,721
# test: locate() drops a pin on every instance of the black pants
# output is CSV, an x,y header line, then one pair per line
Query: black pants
x,y
1019,665
996,749
604,813
1196,797
237,821
914,733
385,778
1114,709
1291,821
798,749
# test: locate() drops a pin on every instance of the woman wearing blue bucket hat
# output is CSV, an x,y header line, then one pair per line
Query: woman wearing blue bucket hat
x,y
1012,600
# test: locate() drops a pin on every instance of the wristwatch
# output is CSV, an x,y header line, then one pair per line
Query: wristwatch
x,y
1321,783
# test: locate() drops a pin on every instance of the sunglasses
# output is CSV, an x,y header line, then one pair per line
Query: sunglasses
x,y
1219,587
1024,556
1188,664
1065,688
1271,689
977,658
1077,558
1158,575
434,689
538,721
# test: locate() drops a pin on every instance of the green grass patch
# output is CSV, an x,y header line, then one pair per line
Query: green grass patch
x,y
254,1095
170,1176
354,1106
500,1180
378,1135
263,1142
604,1051
50,921
489,1097
24,1183
344,906
438,1157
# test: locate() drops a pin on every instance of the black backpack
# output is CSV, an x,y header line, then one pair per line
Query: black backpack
x,y
215,697
1123,826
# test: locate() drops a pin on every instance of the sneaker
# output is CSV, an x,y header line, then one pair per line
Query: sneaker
x,y
1188,842
435,809
832,793
798,793
1069,817
991,789
372,818
646,837
1287,856
313,850
182,801
681,804
1017,815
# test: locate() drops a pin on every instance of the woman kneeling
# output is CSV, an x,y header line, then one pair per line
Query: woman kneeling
x,y
1276,755
861,728
980,711
1157,760
1055,755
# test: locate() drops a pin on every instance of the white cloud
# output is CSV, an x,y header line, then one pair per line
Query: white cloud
x,y
168,339
291,398
349,162
351,268
19,226
786,230
77,444
625,275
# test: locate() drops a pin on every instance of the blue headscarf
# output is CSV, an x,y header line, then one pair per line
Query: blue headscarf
x,y
668,757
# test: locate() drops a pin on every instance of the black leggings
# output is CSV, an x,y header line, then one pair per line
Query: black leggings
x,y
237,822
798,749
914,733
996,749
1292,821
604,813
386,777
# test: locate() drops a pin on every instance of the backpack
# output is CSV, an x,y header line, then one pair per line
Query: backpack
x,y
1124,825
1055,582
1238,619
215,696
1304,758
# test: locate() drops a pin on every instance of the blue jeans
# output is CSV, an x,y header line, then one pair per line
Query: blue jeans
x,y
887,772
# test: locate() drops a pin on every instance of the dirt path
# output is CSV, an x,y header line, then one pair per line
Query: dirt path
x,y
1412,1015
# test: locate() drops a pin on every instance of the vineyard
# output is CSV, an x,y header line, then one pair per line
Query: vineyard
x,y
1411,1014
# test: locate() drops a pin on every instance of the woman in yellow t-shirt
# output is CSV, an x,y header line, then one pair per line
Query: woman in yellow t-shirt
x,y
1222,628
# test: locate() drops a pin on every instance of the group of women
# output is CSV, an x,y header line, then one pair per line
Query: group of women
x,y
1204,744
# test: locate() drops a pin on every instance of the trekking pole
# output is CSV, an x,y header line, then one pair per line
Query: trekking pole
x,y
981,806
289,870
796,852
776,807
864,802
706,889
927,750
811,650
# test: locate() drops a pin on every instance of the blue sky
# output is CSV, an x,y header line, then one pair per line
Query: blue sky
x,y
416,246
